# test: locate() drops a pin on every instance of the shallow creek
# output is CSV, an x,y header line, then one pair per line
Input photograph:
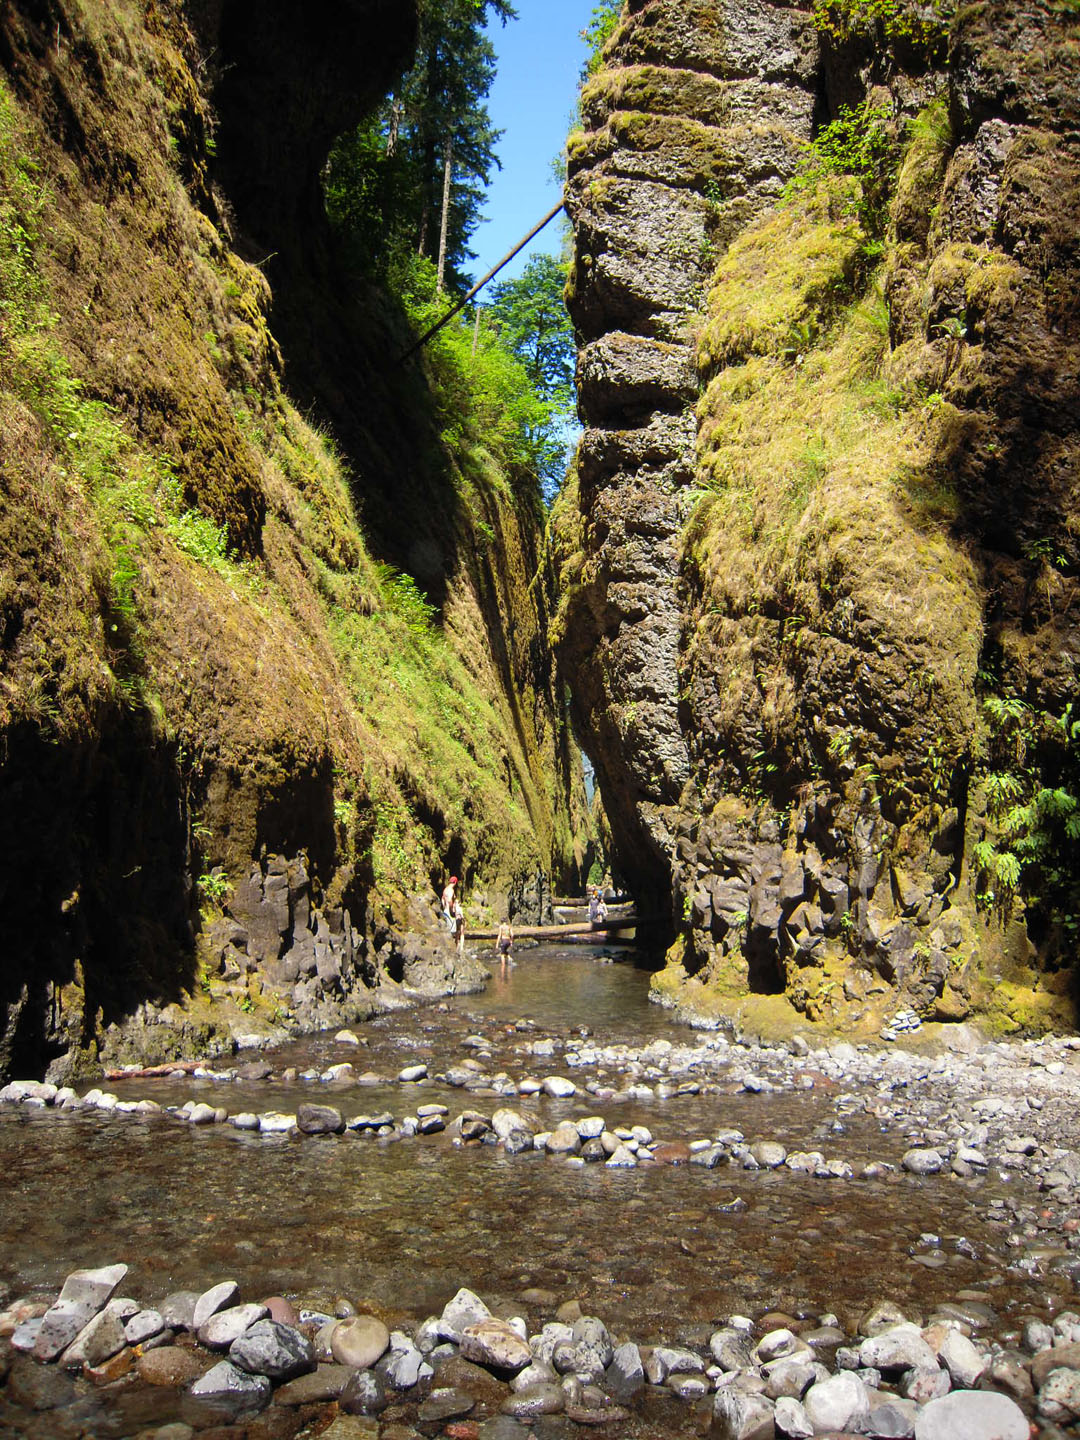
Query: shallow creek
x,y
657,1252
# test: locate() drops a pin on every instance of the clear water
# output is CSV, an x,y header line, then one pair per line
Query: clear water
x,y
404,1223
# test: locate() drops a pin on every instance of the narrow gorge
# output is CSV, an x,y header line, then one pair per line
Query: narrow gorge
x,y
820,550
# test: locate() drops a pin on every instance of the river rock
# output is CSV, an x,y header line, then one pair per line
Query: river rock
x,y
84,1294
542,1398
170,1366
36,1387
1056,1358
737,1416
269,1348
232,1391
891,1416
505,1120
178,1309
665,1360
211,1301
496,1344
564,1139
445,1404
223,1328
837,1404
625,1376
769,1154
412,1073
622,1158
559,1087
458,1314
922,1161
792,1419
143,1325
923,1385
972,1415
359,1340
1059,1396
325,1382
901,1348
965,1364
403,1366
319,1120
364,1394
98,1341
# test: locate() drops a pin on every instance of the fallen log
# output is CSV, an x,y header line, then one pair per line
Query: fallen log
x,y
148,1072
554,932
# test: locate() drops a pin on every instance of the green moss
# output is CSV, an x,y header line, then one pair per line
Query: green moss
x,y
781,280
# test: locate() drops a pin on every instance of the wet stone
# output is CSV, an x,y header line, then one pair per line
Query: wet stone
x,y
85,1292
170,1366
972,1415
209,1303
446,1404
494,1343
222,1329
359,1341
319,1120
36,1387
273,1349
539,1399
364,1394
231,1391
326,1382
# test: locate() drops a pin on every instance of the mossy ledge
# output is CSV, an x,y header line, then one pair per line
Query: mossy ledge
x,y
870,624
239,743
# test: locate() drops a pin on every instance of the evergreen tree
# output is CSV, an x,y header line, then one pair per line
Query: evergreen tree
x,y
384,183
531,313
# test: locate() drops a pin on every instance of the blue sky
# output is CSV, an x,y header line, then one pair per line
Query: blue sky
x,y
533,98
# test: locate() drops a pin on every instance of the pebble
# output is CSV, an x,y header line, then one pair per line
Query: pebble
x,y
359,1341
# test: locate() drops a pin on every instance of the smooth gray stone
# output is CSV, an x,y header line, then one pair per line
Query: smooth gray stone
x,y
97,1342
742,1417
972,1415
319,1120
143,1326
178,1309
364,1394
85,1293
841,1403
901,1348
539,1399
211,1301
270,1348
225,1326
625,1376
792,1420
232,1391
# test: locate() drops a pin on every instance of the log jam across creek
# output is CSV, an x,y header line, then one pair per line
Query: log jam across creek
x,y
664,1251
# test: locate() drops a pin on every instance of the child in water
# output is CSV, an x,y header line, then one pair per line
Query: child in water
x,y
504,942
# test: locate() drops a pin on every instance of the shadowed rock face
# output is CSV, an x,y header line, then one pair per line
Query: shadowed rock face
x,y
691,129
787,687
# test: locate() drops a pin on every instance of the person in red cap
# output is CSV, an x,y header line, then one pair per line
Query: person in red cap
x,y
448,897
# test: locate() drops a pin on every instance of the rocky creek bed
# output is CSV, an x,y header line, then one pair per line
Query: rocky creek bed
x,y
686,1233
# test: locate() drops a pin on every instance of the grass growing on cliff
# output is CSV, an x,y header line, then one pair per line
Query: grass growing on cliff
x,y
442,743
806,455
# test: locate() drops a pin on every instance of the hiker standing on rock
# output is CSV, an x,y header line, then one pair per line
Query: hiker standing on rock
x,y
449,896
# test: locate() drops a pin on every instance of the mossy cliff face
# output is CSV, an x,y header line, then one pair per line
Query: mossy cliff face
x,y
236,753
863,616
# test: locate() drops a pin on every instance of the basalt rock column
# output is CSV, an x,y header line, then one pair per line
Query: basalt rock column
x,y
691,128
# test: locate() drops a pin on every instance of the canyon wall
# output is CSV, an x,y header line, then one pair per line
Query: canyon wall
x,y
821,548
271,655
